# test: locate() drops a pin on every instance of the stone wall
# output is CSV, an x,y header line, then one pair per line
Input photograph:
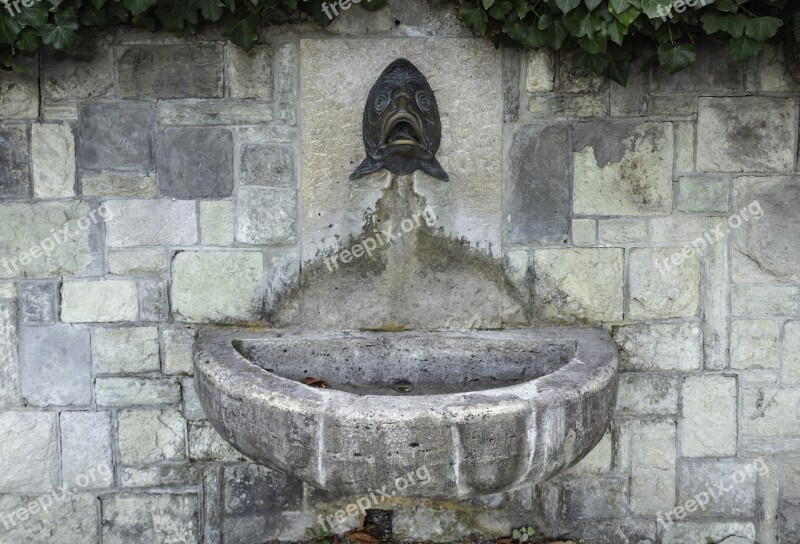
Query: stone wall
x,y
151,184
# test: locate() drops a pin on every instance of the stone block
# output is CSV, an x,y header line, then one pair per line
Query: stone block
x,y
216,222
746,134
53,160
197,112
623,168
90,301
15,173
702,195
683,230
130,518
216,286
648,394
577,106
74,519
789,521
267,165
115,391
286,72
205,444
86,72
658,346
755,344
708,426
9,357
716,307
670,105
597,461
584,232
622,231
774,76
55,366
764,300
29,460
791,353
266,216
116,136
653,465
172,475
137,262
19,95
714,70
736,499
37,303
631,100
86,450
178,350
540,72
149,436
699,532
170,71
538,195
770,412
578,79
572,284
360,21
659,292
195,162
118,184
154,303
151,223
192,409
595,497
249,73
684,147
252,489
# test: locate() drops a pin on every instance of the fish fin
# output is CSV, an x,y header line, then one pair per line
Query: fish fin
x,y
433,168
366,167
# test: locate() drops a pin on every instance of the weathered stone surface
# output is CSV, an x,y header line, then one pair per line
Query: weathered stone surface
x,y
595,497
538,194
205,444
266,216
774,75
708,426
682,230
197,112
86,450
249,74
195,162
766,247
99,301
74,519
136,391
116,136
177,350
267,165
29,460
584,232
715,294
149,436
53,160
789,520
623,168
137,262
359,21
55,366
738,476
631,100
648,394
47,239
653,465
657,291
540,71
15,174
154,303
192,409
713,72
684,147
622,231
170,71
512,68
575,79
658,346
252,489
747,133
420,18
597,461
698,532
216,286
702,195
9,357
579,106
469,91
145,518
161,476
673,105
151,223
764,300
770,412
579,284
755,344
85,72
286,72
19,95
216,222
37,303
111,184
791,351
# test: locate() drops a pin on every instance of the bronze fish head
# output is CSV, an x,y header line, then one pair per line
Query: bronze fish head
x,y
401,125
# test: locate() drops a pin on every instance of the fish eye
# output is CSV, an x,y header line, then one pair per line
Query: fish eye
x,y
423,101
381,102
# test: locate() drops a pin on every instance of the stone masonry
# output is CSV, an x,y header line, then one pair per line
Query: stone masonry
x,y
151,185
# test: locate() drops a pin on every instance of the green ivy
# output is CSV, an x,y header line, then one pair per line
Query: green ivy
x,y
605,36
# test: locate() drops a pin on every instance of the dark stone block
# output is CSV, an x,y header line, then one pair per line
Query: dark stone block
x,y
713,70
37,303
116,136
170,71
539,186
267,165
195,162
254,489
15,174
789,520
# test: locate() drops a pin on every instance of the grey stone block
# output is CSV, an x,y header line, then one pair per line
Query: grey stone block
x,y
158,222
713,72
148,436
29,460
198,112
74,520
116,136
15,172
250,489
55,366
37,303
595,498
195,162
136,391
249,72
267,165
205,444
87,460
85,72
161,476
266,216
130,518
9,358
700,480
539,186
170,71
154,304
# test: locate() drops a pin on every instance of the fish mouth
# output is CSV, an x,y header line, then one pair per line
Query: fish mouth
x,y
402,128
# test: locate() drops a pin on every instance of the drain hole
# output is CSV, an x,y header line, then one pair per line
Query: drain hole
x,y
403,386
414,445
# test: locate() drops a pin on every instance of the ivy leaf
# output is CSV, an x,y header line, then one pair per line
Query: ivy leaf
x,y
91,16
762,28
796,26
145,22
744,48
616,31
567,5
618,6
594,46
727,5
243,31
98,4
8,30
487,4
174,14
28,40
628,16
516,30
475,17
581,23
501,9
535,38
137,7
35,16
675,58
291,4
546,21
61,36
597,63
211,9
657,9
733,24
591,4
557,35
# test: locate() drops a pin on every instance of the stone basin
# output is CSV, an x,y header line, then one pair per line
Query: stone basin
x,y
480,412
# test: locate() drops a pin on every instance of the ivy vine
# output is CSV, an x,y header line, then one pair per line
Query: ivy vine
x,y
605,36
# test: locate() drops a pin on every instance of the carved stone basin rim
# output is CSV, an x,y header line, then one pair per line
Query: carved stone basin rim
x,y
482,411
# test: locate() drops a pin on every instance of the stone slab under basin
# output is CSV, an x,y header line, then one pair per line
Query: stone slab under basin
x,y
480,412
